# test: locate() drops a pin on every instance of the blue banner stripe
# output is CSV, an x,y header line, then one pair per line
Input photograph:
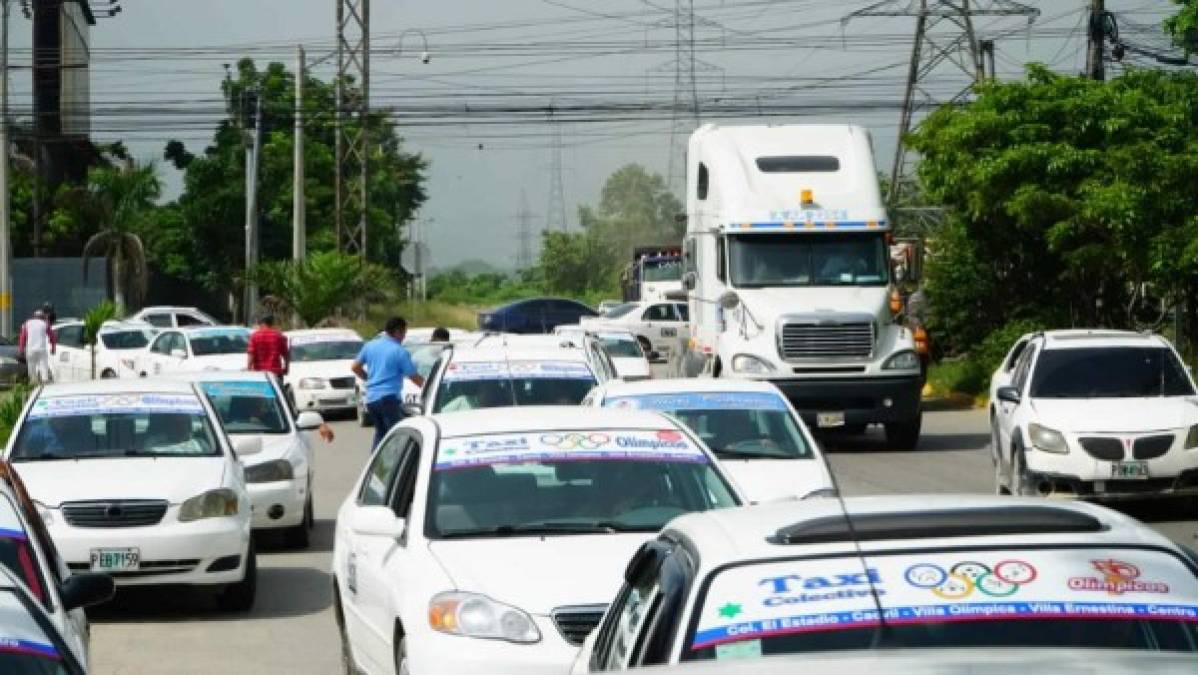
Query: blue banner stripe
x,y
749,400
812,225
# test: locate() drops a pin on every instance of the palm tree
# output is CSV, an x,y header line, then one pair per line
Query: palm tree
x,y
121,196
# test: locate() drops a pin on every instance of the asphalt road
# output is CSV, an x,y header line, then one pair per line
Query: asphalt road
x,y
291,629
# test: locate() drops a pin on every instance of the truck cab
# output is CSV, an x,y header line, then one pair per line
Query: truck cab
x,y
654,275
787,271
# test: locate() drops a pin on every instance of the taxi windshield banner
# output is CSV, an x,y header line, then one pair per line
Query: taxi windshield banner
x,y
238,389
219,332
759,601
748,400
60,406
666,445
527,370
299,340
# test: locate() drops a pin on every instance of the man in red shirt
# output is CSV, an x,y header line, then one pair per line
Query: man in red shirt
x,y
268,350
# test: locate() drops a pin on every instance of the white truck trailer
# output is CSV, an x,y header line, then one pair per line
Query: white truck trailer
x,y
788,275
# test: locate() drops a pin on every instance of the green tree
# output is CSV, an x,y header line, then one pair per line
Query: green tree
x,y
1183,26
577,263
636,208
1071,202
93,321
316,287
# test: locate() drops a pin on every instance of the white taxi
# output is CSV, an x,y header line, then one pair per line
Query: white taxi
x,y
627,354
659,326
757,435
476,542
29,641
136,479
195,350
499,376
916,572
318,375
279,478
116,351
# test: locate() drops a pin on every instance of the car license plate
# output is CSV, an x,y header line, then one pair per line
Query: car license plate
x,y
1129,470
828,420
116,559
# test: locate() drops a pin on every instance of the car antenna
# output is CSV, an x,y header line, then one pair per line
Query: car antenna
x,y
511,381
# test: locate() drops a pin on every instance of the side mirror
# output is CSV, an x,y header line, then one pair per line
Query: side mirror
x,y
247,445
178,353
653,355
690,280
1009,395
412,410
309,421
86,589
378,521
729,301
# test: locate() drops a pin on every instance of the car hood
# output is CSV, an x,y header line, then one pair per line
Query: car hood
x,y
274,446
323,369
233,362
1116,415
173,479
538,574
768,480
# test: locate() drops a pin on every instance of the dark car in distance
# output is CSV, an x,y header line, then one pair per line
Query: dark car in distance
x,y
536,315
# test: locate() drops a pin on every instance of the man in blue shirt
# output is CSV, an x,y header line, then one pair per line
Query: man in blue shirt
x,y
384,364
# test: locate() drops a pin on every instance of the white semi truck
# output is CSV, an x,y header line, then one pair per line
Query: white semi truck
x,y
787,272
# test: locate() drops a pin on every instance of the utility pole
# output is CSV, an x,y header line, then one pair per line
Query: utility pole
x,y
299,235
555,214
6,326
253,152
1095,66
353,142
524,235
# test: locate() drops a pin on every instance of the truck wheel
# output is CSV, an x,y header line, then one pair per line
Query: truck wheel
x,y
904,435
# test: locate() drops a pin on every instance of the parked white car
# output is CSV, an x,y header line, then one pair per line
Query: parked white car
x,y
751,428
136,479
117,350
972,574
195,350
279,478
1102,414
319,377
659,326
30,641
174,317
477,542
627,355
494,377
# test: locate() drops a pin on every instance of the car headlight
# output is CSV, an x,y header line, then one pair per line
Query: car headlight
x,y
902,361
477,616
212,504
1192,438
313,383
750,365
1048,440
269,472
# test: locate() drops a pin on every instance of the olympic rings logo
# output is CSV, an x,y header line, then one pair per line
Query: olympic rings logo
x,y
962,579
576,441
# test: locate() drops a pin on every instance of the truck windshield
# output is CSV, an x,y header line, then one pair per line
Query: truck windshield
x,y
762,260
662,269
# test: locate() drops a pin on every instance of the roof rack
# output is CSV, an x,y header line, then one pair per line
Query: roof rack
x,y
971,522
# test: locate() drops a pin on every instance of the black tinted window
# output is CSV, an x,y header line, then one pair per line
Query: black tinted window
x,y
798,164
1109,372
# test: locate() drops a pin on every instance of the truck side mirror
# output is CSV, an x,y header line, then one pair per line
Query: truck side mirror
x,y
690,280
729,301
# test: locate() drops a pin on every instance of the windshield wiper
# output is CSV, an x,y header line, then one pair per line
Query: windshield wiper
x,y
747,454
597,527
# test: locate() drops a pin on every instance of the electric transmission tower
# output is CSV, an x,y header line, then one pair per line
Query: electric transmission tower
x,y
524,234
945,40
352,115
555,214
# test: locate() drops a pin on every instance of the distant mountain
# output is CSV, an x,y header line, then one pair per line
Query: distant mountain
x,y
471,268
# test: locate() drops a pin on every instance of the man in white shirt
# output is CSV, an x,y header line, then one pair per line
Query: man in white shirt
x,y
37,343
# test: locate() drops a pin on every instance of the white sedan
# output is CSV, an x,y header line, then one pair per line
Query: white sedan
x,y
136,479
116,352
659,326
319,377
476,542
29,640
195,350
627,354
753,430
279,479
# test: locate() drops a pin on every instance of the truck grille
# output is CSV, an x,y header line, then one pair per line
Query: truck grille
x,y
342,383
799,339
120,513
576,622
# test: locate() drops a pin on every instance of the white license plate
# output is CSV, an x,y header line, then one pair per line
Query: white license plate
x,y
828,420
116,559
1129,470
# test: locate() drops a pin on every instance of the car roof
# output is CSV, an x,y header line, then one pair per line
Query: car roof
x,y
323,332
728,535
170,308
189,330
685,386
118,386
545,418
492,353
1086,338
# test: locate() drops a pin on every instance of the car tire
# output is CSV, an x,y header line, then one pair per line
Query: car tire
x,y
904,435
239,597
1018,482
401,657
299,537
108,374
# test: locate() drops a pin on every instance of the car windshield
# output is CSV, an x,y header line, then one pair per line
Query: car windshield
x,y
1077,597
25,647
424,356
127,339
621,347
766,260
247,407
662,269
620,310
735,425
1109,372
115,425
569,482
325,350
209,343
474,385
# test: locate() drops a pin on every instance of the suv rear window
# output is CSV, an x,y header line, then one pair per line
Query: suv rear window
x,y
1109,372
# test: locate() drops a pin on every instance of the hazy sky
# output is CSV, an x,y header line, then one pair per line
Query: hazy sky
x,y
531,53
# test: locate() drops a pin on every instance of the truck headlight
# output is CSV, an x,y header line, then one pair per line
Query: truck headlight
x,y
477,616
907,360
212,504
270,472
750,365
1048,440
313,383
1192,438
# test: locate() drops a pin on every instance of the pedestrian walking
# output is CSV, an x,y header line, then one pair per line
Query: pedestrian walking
x,y
36,344
384,364
268,350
